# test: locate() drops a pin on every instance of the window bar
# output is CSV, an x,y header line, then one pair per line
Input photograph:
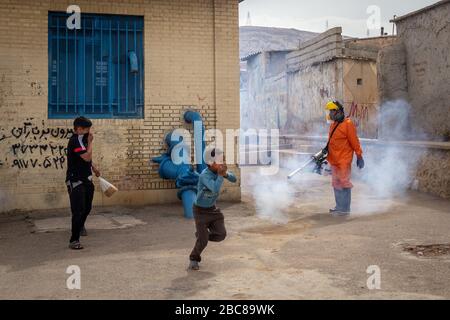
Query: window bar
x,y
141,67
75,107
84,66
101,66
67,73
126,67
57,65
109,69
118,66
135,74
93,66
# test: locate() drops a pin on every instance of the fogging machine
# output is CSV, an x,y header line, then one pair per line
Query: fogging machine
x,y
319,159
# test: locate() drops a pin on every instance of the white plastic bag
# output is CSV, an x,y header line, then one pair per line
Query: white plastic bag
x,y
107,188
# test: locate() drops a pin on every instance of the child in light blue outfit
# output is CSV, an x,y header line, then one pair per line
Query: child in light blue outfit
x,y
209,220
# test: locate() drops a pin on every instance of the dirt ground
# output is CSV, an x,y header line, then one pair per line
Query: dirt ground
x,y
142,253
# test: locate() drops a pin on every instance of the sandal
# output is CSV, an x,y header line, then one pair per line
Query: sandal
x,y
75,245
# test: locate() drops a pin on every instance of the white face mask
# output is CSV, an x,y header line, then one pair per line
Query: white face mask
x,y
328,117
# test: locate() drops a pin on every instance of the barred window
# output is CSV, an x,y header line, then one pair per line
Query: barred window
x,y
96,71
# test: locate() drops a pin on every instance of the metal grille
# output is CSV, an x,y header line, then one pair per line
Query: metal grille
x,y
96,71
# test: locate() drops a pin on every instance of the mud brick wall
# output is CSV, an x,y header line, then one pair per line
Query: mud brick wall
x,y
417,69
191,62
433,172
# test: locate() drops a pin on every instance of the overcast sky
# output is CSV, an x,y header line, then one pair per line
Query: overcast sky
x,y
313,15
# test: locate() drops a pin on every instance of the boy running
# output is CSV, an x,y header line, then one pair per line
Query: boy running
x,y
209,220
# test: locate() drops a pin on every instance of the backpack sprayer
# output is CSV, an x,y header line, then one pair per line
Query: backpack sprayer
x,y
319,160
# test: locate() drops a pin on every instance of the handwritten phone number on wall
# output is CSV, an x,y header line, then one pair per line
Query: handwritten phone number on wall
x,y
45,163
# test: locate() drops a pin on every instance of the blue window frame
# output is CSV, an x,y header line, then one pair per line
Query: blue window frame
x,y
96,71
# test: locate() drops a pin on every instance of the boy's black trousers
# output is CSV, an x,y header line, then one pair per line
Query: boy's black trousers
x,y
210,226
81,204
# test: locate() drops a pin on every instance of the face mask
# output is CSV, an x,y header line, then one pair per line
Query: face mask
x,y
328,117
340,117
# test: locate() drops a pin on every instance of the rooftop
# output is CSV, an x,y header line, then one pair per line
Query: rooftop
x,y
255,39
254,54
414,13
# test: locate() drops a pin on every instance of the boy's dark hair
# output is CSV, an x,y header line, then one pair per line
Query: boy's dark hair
x,y
212,155
82,122
214,151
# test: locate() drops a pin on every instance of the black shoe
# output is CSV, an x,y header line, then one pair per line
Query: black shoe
x,y
193,265
75,245
338,212
336,209
343,213
83,232
333,211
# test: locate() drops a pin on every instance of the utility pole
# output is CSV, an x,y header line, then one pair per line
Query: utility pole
x,y
249,20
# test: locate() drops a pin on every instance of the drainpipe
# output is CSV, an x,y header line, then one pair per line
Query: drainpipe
x,y
186,178
199,134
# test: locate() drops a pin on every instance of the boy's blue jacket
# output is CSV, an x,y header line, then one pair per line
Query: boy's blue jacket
x,y
208,187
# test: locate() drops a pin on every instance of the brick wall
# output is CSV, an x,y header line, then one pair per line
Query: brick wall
x,y
191,62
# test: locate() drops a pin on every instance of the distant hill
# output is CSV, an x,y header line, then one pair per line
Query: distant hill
x,y
255,39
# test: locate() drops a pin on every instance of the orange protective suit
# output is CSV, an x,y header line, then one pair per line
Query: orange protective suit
x,y
343,143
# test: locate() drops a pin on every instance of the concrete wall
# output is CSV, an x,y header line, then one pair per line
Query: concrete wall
x,y
416,69
393,89
265,105
433,172
314,78
309,90
392,77
361,95
426,40
252,117
373,44
191,61
328,68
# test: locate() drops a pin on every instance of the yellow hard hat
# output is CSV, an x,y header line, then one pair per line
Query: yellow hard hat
x,y
331,105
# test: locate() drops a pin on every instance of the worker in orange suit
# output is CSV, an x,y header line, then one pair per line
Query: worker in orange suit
x,y
343,142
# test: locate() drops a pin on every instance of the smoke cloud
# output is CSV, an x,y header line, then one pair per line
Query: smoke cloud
x,y
272,196
275,195
390,164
